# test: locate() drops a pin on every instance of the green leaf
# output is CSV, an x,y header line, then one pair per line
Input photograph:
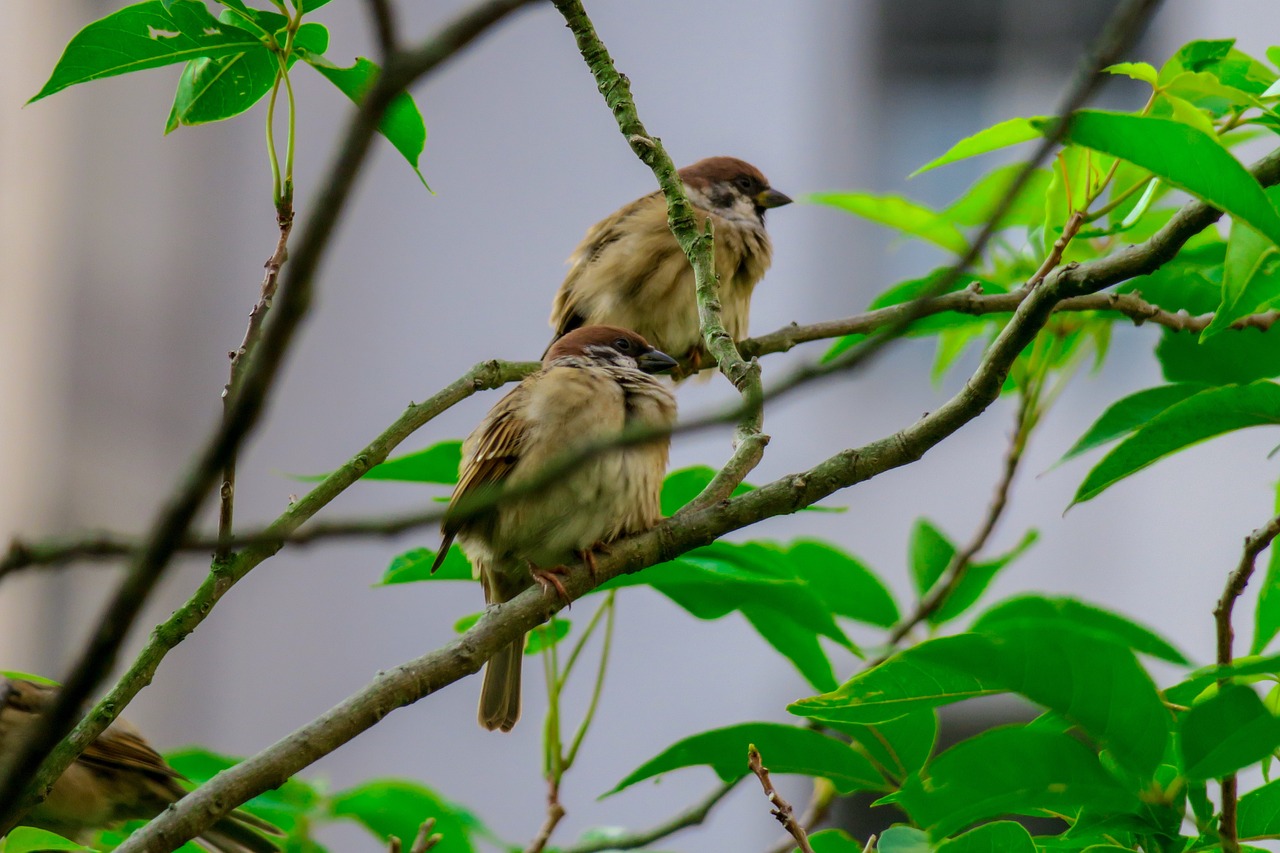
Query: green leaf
x,y
1251,276
402,124
145,35
435,464
929,552
28,839
979,202
1240,357
794,642
287,807
785,749
843,583
833,841
1202,416
901,745
1001,836
1137,70
1266,617
27,676
1095,683
415,565
1131,413
1242,669
1006,133
1185,157
1182,110
213,89
1226,732
1258,812
977,578
392,807
685,484
1010,771
546,636
903,839
1079,616
902,214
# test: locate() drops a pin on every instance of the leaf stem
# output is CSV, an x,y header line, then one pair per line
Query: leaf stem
x,y
599,686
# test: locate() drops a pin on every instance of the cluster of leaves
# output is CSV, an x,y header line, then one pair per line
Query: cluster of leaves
x,y
230,62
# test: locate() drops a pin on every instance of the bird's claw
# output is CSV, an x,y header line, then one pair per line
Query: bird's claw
x,y
549,579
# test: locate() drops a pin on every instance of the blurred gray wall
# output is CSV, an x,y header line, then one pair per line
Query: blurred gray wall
x,y
128,262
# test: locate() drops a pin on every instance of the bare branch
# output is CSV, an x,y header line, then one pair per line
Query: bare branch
x,y
781,808
694,816
1254,544
384,26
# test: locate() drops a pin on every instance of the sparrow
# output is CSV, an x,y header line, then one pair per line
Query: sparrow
x,y
629,270
119,777
594,382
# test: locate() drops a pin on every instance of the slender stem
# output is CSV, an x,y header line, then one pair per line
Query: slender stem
x,y
1237,580
582,641
599,686
276,186
782,810
693,816
552,744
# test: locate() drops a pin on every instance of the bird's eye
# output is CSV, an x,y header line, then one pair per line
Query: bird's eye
x,y
743,182
622,345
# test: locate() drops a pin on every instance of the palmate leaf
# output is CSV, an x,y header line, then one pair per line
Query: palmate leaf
x,y
786,749
141,36
1201,416
1185,157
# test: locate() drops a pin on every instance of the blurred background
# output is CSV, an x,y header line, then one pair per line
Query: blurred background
x,y
129,261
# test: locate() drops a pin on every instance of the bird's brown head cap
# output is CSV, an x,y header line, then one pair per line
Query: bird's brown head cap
x,y
717,176
610,343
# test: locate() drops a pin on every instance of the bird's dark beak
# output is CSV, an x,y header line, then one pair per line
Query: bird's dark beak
x,y
771,198
655,361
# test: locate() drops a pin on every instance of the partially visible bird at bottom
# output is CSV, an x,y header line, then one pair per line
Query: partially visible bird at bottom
x,y
595,381
119,777
629,270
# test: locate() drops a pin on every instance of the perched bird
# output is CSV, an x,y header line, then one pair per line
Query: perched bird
x,y
119,777
629,271
594,382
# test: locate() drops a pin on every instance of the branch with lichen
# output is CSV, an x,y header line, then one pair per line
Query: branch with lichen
x,y
698,246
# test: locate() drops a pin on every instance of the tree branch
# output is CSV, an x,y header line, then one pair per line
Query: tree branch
x,y
693,816
1254,544
699,247
503,623
782,810
30,774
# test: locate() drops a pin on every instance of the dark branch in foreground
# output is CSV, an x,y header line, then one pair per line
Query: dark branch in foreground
x,y
1254,544
31,773
464,656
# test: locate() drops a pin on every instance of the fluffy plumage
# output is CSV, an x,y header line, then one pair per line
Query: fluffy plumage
x,y
630,272
119,777
594,382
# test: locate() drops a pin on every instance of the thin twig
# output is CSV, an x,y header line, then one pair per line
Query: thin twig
x,y
239,358
694,816
820,803
781,808
384,26
30,773
1254,544
960,562
555,813
424,841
